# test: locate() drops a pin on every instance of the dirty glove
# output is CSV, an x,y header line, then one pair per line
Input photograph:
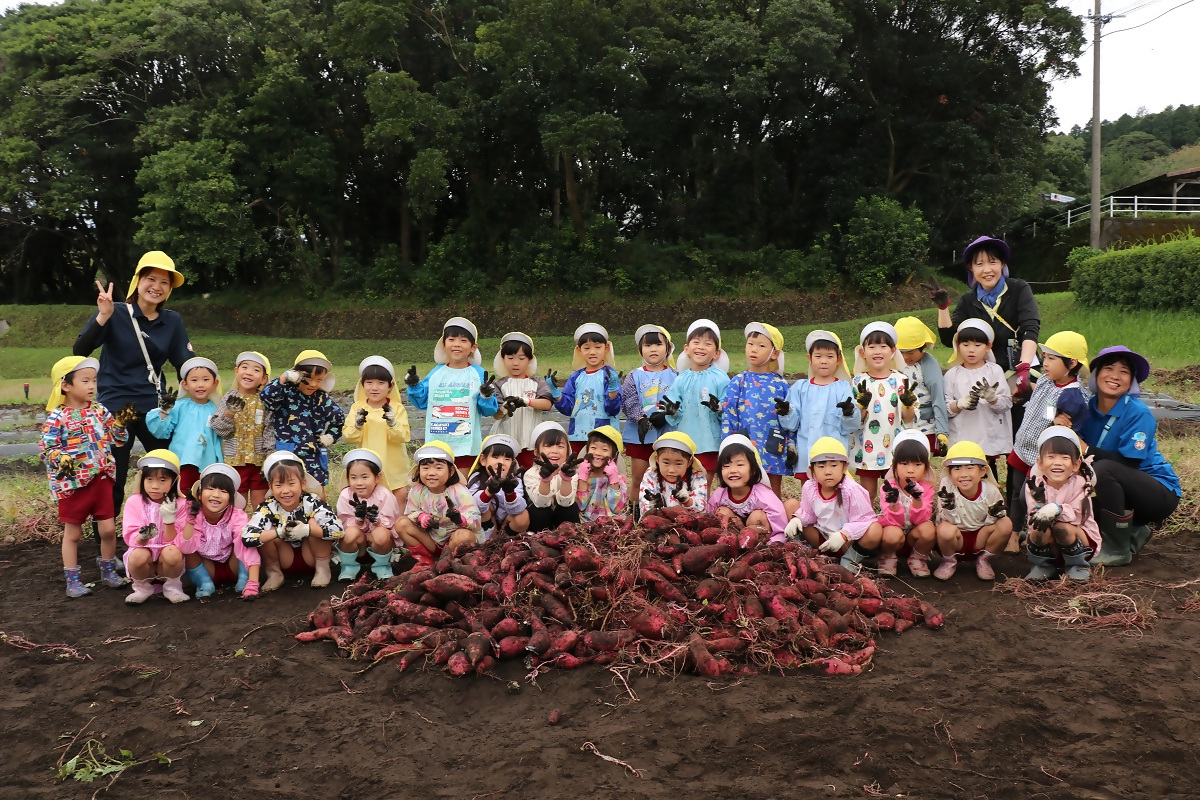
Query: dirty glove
x,y
939,296
425,521
782,407
713,404
167,401
360,418
454,517
998,509
372,514
411,378
864,396
668,407
146,533
571,465
792,458
941,443
66,468
493,482
655,499
1021,371
907,396
987,392
292,376
947,498
1037,490
545,468
294,531
836,541
389,414
235,403
913,488
794,530
126,415
847,406
552,383
969,402
167,512
891,494
643,427
681,493
512,403
612,381
360,507
326,439
1044,518
488,387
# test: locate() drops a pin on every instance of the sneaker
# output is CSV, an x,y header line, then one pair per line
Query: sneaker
x,y
945,570
983,567
887,565
918,565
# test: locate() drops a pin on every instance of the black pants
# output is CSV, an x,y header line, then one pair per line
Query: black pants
x,y
545,519
137,430
1119,487
1014,489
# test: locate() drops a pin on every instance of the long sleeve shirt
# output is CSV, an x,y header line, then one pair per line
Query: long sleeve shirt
x,y
299,421
562,490
386,440
123,377
695,482
749,409
521,422
590,399
814,414
247,437
1128,431
761,498
1047,401
1074,498
690,390
216,541
925,381
140,512
423,501
908,511
88,436
988,425
187,426
599,496
1014,318
272,515
640,392
849,511
383,501
500,507
455,407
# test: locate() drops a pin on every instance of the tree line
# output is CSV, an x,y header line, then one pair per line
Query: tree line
x,y
365,144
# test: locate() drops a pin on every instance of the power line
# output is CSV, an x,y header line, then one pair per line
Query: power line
x,y
1147,22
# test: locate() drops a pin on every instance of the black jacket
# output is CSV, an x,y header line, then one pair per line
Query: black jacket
x,y
1017,306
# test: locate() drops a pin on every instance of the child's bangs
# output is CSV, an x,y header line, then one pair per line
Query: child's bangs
x,y
651,338
732,450
205,369
1059,446
514,346
591,337
158,472
285,470
879,337
910,452
221,483
824,344
972,335
705,333
454,330
550,438
374,372
501,450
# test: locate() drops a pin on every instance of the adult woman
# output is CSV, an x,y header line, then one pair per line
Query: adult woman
x,y
1135,485
131,364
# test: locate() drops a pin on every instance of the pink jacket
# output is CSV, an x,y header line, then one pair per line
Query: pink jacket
x,y
1074,498
907,512
215,541
761,498
139,512
859,513
381,498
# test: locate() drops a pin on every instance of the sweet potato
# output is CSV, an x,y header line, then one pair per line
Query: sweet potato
x,y
836,666
322,615
410,658
869,605
933,618
712,535
702,660
752,607
709,589
821,632
316,635
411,595
580,559
511,647
412,612
750,536
664,571
506,627
650,623
563,641
478,574
837,622
668,592
698,559
884,620
727,644
691,537
513,561
654,522
738,572
555,608
608,641
476,647
442,653
459,665
781,609
903,624
542,550
840,603
546,565
539,639
554,717
451,586
599,593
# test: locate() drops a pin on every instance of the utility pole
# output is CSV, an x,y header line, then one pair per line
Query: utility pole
x,y
1098,21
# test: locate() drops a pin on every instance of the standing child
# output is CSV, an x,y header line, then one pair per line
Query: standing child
x,y
675,477
906,500
602,491
186,421
495,483
591,397
379,423
835,514
977,395
245,426
742,493
1059,492
693,403
440,511
925,380
823,404
293,517
640,392
886,403
524,397
77,444
212,525
148,527
368,513
307,420
756,400
457,392
972,520
551,483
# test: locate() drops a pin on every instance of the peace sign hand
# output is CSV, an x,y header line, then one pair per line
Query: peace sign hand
x,y
104,302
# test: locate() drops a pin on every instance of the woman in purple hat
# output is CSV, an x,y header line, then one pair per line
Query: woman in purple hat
x,y
1135,485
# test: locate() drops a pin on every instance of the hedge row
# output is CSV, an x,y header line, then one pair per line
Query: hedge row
x,y
1156,276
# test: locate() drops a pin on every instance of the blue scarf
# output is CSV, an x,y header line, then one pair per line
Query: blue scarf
x,y
990,299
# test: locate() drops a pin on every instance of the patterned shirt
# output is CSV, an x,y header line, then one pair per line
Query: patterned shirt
x,y
696,483
422,501
749,408
299,421
872,447
247,437
272,515
88,436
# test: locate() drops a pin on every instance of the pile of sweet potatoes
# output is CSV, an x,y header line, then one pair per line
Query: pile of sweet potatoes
x,y
676,592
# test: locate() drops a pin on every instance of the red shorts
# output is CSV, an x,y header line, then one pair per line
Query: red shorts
x,y
641,452
94,500
298,567
708,461
464,463
970,547
188,474
932,437
252,478
801,476
525,459
870,473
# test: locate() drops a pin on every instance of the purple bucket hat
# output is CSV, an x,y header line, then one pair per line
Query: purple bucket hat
x,y
1141,367
969,253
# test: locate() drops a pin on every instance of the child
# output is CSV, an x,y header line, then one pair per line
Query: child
x,y
78,438
148,527
307,420
640,393
1058,398
823,405
379,423
835,514
925,380
524,397
440,511
602,492
693,402
675,477
757,398
212,526
972,520
368,512
886,403
457,392
495,483
977,395
591,397
1059,492
907,501
186,421
551,483
293,517
742,493
245,426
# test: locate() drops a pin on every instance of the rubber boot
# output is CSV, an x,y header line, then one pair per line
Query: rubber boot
x,y
75,587
382,568
1044,565
918,564
108,573
1116,535
1138,538
200,578
320,573
945,570
274,577
142,591
853,557
1075,557
173,589
243,577
349,564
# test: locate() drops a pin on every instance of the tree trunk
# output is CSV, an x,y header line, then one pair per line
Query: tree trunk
x,y
573,198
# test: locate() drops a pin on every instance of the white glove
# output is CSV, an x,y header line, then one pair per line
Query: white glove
x,y
834,543
167,511
294,531
969,402
389,417
794,529
988,394
292,376
1046,516
325,439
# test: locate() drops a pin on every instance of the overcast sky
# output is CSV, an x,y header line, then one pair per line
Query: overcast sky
x,y
1151,67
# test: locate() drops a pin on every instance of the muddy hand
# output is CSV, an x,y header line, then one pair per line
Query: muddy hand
x,y
713,404
998,509
360,418
66,468
1037,490
939,296
947,498
167,402
545,467
126,415
847,406
571,465
913,488
782,407
907,396
891,494
655,499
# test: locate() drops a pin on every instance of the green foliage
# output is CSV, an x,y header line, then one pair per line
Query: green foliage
x,y
93,761
1078,255
884,243
1153,276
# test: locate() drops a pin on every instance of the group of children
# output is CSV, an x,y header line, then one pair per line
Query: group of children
x,y
264,445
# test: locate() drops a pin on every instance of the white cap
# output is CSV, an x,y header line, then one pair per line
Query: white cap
x,y
362,454
377,361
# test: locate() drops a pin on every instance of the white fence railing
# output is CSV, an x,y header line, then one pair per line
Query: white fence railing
x,y
1134,207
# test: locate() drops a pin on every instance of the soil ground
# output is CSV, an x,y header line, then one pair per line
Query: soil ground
x,y
996,705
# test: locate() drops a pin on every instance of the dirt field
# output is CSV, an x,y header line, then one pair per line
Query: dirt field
x,y
996,705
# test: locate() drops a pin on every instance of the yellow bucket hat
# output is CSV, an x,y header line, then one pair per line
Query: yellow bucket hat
x,y
60,370
155,458
257,358
827,449
315,358
610,433
676,440
965,454
155,259
912,334
772,333
1069,344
